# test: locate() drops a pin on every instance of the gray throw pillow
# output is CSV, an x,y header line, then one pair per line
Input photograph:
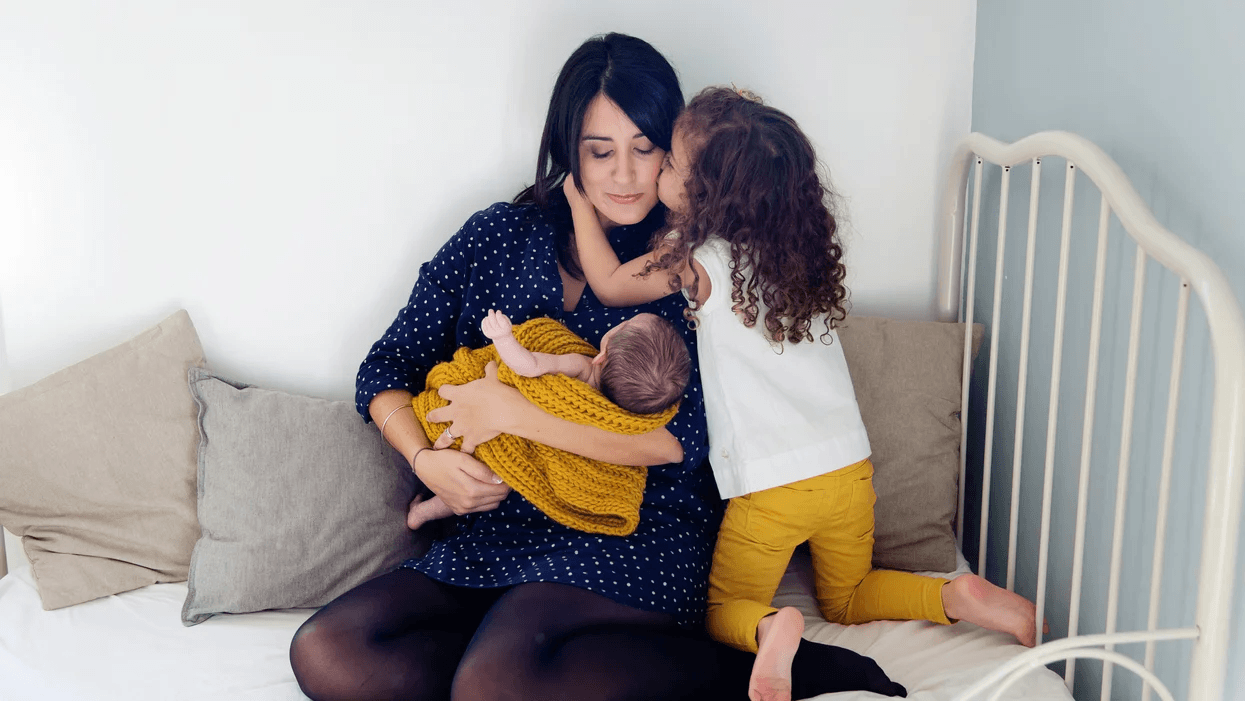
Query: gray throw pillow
x,y
299,501
907,376
97,468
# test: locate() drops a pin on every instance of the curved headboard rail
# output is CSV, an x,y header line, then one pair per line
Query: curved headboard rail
x,y
1226,464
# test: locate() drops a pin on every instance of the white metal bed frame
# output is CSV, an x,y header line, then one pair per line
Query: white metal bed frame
x,y
1226,464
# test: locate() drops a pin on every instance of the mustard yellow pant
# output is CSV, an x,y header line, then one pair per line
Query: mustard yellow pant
x,y
834,513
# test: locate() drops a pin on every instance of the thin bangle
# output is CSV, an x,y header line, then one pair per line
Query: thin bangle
x,y
386,421
416,455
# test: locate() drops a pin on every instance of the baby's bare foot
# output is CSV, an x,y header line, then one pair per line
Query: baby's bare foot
x,y
416,516
778,637
425,509
974,599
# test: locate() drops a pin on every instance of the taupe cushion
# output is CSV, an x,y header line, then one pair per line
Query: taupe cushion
x,y
299,501
907,380
97,470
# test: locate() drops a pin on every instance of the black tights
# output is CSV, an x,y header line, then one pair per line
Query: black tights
x,y
406,636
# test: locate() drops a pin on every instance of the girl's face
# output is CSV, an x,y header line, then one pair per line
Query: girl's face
x,y
671,184
618,165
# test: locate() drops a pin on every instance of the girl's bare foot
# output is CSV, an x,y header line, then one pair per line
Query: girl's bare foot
x,y
778,637
974,599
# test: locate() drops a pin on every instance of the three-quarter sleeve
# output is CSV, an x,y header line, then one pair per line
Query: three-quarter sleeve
x,y
424,332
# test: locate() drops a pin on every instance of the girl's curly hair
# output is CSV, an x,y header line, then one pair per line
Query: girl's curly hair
x,y
753,180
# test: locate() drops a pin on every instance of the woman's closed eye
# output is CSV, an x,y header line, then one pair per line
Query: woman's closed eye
x,y
602,155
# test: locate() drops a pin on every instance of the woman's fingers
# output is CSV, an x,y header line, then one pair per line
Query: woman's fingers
x,y
447,393
480,472
465,484
444,440
478,410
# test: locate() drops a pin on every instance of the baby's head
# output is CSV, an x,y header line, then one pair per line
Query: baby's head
x,y
645,365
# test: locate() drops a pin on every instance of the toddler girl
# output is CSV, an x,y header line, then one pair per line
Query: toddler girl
x,y
754,248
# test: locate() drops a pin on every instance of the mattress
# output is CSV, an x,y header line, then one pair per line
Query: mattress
x,y
934,662
132,646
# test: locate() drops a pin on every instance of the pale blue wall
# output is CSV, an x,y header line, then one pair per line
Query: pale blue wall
x,y
1160,86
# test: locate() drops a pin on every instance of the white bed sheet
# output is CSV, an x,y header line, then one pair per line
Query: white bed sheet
x,y
934,662
132,646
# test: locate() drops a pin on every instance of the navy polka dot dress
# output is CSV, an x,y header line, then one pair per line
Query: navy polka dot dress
x,y
504,258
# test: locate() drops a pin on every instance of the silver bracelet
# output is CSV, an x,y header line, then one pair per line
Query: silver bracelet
x,y
386,421
416,455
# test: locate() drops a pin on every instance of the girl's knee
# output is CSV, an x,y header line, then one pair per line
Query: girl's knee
x,y
834,610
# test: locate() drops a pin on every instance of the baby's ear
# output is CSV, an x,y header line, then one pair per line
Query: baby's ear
x,y
599,358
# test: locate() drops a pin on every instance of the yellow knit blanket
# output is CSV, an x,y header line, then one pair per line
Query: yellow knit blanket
x,y
575,491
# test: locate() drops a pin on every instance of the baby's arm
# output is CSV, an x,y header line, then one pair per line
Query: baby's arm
x,y
496,326
616,283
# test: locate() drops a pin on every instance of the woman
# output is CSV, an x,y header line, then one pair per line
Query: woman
x,y
511,604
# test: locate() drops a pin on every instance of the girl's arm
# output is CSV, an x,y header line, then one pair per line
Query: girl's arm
x,y
489,402
616,283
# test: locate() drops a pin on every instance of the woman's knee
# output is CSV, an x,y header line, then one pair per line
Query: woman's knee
x,y
315,657
479,677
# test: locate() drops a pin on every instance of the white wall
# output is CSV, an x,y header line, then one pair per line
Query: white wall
x,y
280,168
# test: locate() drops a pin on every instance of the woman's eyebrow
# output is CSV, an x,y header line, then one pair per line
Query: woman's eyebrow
x,y
592,137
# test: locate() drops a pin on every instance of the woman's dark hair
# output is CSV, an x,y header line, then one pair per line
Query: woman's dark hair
x,y
631,73
753,181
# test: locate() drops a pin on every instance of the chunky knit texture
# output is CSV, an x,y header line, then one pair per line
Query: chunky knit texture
x,y
588,495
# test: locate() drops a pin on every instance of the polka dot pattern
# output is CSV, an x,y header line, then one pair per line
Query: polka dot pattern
x,y
504,258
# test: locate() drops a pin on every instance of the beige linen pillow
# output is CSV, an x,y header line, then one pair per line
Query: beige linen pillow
x,y
907,380
97,474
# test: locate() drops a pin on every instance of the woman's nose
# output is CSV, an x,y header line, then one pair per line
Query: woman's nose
x,y
625,170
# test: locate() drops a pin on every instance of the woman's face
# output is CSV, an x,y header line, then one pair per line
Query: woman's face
x,y
618,165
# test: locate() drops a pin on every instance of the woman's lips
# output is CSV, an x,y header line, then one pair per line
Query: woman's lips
x,y
625,199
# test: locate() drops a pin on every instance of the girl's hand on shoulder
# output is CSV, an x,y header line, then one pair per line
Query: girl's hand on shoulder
x,y
465,484
479,410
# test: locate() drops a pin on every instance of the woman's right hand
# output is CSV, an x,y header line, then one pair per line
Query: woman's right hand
x,y
465,484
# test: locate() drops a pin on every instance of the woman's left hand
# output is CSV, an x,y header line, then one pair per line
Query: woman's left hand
x,y
478,411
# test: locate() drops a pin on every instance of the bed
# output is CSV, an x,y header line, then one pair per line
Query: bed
x,y
1025,504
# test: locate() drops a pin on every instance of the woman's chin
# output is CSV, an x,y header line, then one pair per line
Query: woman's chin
x,y
625,216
